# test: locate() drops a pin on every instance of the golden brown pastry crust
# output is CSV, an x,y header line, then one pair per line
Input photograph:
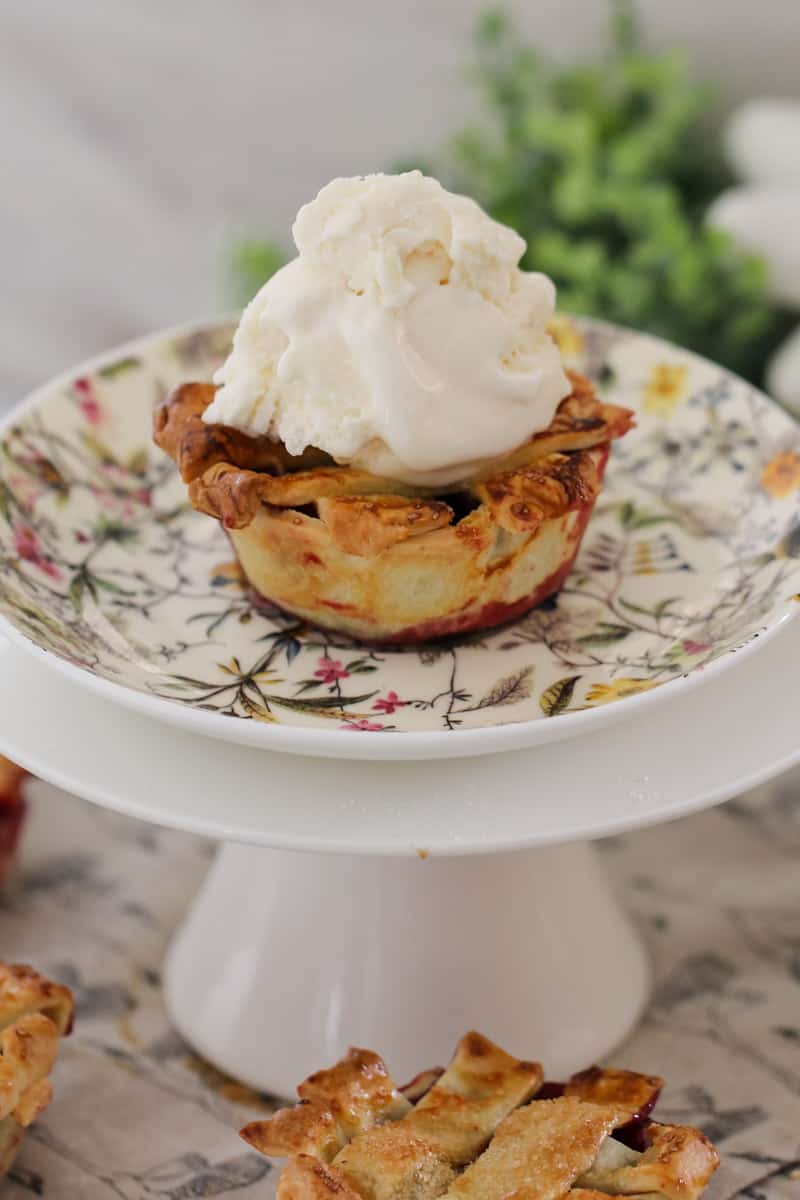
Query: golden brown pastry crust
x,y
521,500
335,1104
469,574
178,428
677,1165
540,1150
607,1085
474,1133
417,1087
23,990
234,495
34,1014
416,1154
368,525
27,1053
383,560
231,473
307,1178
447,1128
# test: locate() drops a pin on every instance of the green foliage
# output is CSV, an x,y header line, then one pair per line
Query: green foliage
x,y
606,168
253,262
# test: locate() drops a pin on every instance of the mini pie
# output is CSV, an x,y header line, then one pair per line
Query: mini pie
x,y
12,815
382,560
34,1014
487,1128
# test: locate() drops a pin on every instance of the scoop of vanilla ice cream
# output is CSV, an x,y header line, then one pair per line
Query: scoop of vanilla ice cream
x,y
403,339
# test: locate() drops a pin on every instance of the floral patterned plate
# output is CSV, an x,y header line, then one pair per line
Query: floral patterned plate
x,y
693,553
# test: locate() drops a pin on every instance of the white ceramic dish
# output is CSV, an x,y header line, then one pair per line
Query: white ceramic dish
x,y
697,751
691,557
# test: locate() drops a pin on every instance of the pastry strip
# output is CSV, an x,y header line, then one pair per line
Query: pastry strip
x,y
450,1125
539,1151
24,991
335,1105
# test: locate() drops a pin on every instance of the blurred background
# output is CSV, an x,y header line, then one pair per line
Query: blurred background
x,y
156,153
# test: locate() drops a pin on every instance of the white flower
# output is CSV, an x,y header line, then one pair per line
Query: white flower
x,y
762,215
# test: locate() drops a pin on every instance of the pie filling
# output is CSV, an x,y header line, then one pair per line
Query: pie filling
x,y
486,1128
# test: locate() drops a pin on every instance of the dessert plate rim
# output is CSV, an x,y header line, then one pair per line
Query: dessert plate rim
x,y
435,808
381,744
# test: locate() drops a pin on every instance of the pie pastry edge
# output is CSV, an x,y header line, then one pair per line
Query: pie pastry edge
x,y
536,1149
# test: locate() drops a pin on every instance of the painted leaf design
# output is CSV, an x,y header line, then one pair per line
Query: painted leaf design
x,y
307,685
257,711
604,553
791,545
663,605
556,698
631,517
656,610
82,583
627,514
120,367
637,608
137,462
232,667
509,690
323,702
76,590
647,519
109,530
99,449
293,647
109,586
605,634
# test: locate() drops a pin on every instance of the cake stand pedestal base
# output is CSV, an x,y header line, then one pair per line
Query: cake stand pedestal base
x,y
286,959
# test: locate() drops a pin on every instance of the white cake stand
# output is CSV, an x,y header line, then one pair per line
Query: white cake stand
x,y
399,927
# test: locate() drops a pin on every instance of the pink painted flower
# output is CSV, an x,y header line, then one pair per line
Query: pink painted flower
x,y
26,543
389,704
363,724
691,647
87,400
330,669
29,548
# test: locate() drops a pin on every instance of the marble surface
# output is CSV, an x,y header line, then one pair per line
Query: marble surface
x,y
138,1116
137,139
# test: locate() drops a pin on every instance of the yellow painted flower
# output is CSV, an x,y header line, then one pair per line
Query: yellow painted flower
x,y
643,559
618,689
665,389
781,475
257,712
566,335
